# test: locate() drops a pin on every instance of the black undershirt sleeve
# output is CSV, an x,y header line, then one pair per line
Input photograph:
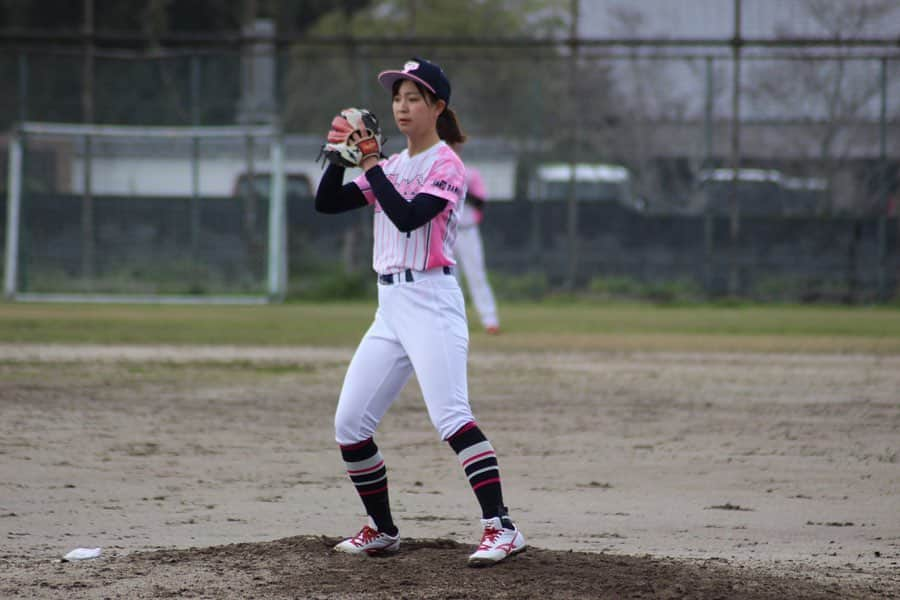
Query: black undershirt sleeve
x,y
406,216
333,197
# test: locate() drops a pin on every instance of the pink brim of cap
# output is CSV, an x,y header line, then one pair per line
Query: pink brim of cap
x,y
387,79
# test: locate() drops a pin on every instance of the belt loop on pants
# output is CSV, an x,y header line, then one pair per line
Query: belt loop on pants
x,y
410,276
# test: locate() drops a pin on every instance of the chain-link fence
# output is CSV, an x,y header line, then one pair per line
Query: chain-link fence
x,y
782,186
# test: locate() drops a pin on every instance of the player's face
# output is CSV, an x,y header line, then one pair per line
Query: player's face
x,y
415,114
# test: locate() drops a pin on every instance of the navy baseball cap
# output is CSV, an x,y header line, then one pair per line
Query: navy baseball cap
x,y
421,71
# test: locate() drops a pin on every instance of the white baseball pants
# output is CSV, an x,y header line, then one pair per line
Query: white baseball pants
x,y
420,327
470,252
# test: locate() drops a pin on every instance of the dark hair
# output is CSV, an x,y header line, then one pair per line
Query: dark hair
x,y
448,127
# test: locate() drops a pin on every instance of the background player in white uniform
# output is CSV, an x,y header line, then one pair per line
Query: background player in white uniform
x,y
469,249
420,324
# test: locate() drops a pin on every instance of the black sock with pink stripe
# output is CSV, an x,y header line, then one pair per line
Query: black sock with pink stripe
x,y
366,469
477,457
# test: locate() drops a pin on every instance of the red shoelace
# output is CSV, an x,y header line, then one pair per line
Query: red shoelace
x,y
489,537
365,535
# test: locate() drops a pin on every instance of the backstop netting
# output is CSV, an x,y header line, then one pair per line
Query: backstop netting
x,y
145,214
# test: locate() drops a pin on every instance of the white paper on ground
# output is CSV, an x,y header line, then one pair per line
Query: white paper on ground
x,y
82,553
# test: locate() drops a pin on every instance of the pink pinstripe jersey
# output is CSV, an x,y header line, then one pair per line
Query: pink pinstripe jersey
x,y
437,171
475,187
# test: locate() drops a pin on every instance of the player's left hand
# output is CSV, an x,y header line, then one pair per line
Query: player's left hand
x,y
355,135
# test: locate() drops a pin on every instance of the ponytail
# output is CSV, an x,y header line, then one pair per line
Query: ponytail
x,y
448,127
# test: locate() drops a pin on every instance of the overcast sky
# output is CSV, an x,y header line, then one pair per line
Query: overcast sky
x,y
715,18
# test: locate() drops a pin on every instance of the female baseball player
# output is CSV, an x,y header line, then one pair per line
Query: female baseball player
x,y
469,249
420,324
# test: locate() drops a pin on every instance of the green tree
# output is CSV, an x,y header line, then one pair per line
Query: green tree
x,y
498,85
151,89
162,17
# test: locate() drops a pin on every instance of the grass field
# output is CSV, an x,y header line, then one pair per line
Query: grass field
x,y
546,326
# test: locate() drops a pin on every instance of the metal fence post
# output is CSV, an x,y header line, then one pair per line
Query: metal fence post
x,y
23,87
277,265
13,213
572,200
195,155
708,221
734,208
87,104
883,203
708,114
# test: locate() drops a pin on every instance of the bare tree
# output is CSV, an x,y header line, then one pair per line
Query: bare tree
x,y
833,99
650,91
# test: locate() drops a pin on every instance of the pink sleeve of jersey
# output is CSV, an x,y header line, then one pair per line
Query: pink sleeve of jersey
x,y
447,178
476,183
363,184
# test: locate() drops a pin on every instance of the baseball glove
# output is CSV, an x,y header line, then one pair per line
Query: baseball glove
x,y
354,136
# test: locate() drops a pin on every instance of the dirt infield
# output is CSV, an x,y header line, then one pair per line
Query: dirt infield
x,y
211,473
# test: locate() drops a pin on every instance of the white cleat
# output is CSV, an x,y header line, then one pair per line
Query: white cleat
x,y
370,541
497,543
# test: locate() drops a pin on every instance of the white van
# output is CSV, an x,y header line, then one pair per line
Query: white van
x,y
759,192
594,182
